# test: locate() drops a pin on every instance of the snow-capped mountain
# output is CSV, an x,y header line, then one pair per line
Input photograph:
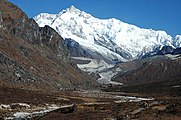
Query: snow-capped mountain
x,y
109,39
177,41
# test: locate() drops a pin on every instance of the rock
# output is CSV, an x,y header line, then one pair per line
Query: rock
x,y
38,58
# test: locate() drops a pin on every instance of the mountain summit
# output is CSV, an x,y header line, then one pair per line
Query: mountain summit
x,y
73,9
108,39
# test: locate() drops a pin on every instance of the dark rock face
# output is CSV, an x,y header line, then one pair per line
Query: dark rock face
x,y
176,51
123,53
35,58
55,42
75,49
163,51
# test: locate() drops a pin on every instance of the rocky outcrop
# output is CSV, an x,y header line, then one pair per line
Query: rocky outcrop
x,y
35,58
55,42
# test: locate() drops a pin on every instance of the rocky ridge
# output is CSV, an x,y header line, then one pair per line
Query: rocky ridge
x,y
34,57
150,70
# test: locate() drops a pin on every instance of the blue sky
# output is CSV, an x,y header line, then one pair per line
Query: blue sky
x,y
156,14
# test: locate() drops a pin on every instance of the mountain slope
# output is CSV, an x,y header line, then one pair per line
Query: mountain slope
x,y
108,39
150,70
35,58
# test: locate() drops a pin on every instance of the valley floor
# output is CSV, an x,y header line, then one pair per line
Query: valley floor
x,y
93,105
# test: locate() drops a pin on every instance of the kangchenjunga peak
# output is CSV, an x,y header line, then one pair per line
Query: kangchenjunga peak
x,y
108,39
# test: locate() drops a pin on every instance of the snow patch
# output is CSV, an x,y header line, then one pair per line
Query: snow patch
x,y
176,86
3,106
131,99
29,115
9,106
